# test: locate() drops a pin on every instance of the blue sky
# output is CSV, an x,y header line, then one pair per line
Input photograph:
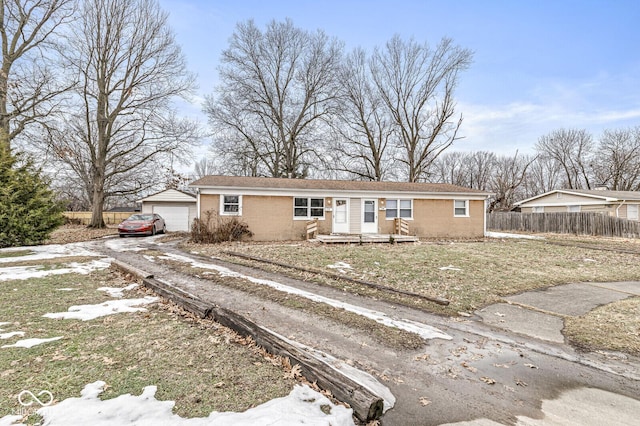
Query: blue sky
x,y
538,65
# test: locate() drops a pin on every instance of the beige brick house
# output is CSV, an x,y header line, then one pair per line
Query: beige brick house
x,y
622,204
279,209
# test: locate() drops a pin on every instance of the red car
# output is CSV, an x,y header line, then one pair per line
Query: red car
x,y
142,224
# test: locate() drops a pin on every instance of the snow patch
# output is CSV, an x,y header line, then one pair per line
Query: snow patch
x,y
449,268
11,334
490,234
303,406
38,271
111,307
66,289
29,343
10,420
50,251
340,266
117,291
423,330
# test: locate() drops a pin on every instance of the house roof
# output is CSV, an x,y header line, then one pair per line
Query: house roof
x,y
331,185
170,195
597,194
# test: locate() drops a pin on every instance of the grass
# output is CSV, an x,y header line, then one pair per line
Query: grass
x,y
16,253
484,272
198,364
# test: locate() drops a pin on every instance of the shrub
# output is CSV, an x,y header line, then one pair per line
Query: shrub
x,y
29,211
214,229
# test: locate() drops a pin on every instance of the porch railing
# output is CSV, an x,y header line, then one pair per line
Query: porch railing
x,y
401,226
312,229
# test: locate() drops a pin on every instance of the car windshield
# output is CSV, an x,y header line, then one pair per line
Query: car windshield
x,y
141,217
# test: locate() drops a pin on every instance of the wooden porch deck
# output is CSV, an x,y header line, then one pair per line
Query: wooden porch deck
x,y
365,238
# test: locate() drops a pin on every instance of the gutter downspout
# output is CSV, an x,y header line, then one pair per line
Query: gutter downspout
x,y
618,208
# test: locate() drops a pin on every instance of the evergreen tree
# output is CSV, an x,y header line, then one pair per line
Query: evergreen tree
x,y
29,211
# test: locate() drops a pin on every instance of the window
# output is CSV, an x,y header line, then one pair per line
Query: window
x,y
537,209
308,207
231,205
573,209
399,208
460,208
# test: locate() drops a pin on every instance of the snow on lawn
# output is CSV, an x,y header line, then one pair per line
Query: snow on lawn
x,y
29,343
491,234
89,312
423,330
4,336
50,251
303,406
27,272
340,266
449,268
117,291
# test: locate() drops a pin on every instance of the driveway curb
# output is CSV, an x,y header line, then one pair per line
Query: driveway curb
x,y
366,405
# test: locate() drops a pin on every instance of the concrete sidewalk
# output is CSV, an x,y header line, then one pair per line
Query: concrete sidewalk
x,y
541,313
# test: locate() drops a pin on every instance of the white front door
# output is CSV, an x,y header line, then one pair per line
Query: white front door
x,y
632,211
340,215
369,217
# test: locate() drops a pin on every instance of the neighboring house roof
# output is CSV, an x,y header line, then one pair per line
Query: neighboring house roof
x,y
263,183
170,195
591,195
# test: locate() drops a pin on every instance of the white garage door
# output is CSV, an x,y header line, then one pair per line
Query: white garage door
x,y
176,218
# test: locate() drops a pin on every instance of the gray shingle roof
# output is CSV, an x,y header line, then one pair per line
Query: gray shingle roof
x,y
336,185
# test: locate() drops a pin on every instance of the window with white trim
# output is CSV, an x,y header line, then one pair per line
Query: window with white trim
x,y
308,208
399,208
461,207
231,205
537,209
574,209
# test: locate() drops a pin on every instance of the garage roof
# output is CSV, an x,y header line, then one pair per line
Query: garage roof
x,y
170,195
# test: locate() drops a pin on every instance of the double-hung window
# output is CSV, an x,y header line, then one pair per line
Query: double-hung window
x,y
308,208
461,208
231,205
399,208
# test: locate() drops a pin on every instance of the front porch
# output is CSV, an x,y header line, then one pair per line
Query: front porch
x,y
365,238
401,235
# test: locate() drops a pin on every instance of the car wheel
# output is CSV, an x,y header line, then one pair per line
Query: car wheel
x,y
153,230
121,235
164,229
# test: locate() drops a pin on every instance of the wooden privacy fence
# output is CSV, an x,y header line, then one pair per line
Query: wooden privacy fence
x,y
564,223
110,218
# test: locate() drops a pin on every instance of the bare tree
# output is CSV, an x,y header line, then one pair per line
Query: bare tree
x,y
544,175
29,87
571,150
482,167
618,156
363,129
275,88
452,167
417,84
130,68
203,167
506,183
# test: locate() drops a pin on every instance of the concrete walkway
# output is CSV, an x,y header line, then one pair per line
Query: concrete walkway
x,y
541,313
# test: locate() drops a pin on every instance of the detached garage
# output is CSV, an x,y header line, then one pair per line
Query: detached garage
x,y
177,208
